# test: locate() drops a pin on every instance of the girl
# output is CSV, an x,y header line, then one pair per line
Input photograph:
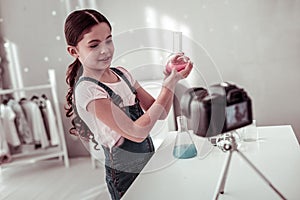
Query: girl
x,y
110,108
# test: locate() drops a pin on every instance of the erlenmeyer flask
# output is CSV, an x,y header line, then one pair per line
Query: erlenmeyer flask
x,y
184,146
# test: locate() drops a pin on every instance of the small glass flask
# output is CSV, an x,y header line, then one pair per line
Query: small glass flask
x,y
184,146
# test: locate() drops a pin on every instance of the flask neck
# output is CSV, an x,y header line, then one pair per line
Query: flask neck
x,y
182,124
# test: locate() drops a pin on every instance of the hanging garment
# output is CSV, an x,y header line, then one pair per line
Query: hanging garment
x,y
23,129
9,127
4,150
50,120
35,121
42,106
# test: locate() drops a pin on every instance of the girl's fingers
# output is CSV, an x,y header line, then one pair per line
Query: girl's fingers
x,y
186,71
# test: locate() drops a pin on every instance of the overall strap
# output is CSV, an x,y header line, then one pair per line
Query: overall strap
x,y
115,97
121,74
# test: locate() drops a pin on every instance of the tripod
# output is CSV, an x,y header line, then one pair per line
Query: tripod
x,y
231,146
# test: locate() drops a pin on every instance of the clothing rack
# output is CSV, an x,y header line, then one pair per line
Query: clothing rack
x,y
41,154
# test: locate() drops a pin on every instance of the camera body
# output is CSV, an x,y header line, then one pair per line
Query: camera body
x,y
222,108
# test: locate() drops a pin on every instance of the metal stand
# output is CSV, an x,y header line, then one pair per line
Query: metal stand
x,y
231,146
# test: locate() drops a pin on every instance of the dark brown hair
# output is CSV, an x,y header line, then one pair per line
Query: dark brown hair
x,y
77,24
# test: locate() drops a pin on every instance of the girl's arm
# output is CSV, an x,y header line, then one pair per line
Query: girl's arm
x,y
146,100
138,130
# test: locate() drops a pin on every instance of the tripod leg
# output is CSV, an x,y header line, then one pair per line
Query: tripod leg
x,y
260,174
221,184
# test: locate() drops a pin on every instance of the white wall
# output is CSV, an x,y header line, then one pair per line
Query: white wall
x,y
255,44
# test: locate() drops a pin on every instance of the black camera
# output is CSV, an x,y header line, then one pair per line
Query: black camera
x,y
221,108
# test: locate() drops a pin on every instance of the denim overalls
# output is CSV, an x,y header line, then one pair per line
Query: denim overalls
x,y
124,163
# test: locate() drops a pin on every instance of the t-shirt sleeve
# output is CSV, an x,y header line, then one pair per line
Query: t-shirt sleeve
x,y
86,92
128,75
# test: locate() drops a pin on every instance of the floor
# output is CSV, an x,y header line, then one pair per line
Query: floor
x,y
50,179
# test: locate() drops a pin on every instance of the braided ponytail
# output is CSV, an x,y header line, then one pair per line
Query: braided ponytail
x,y
79,126
71,79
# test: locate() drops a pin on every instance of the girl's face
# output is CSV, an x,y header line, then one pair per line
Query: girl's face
x,y
96,49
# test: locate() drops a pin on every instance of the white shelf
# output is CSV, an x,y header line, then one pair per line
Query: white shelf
x,y
41,154
34,156
29,88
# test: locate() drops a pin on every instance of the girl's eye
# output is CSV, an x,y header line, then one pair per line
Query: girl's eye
x,y
94,46
109,41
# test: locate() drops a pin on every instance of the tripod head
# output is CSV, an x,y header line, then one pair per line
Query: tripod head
x,y
226,142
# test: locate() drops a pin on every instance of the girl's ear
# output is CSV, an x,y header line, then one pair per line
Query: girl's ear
x,y
73,51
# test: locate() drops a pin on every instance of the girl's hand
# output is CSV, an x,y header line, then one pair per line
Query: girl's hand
x,y
173,77
187,70
177,61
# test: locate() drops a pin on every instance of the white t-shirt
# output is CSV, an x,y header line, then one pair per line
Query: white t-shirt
x,y
87,91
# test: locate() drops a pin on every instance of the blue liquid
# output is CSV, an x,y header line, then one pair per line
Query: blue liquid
x,y
185,151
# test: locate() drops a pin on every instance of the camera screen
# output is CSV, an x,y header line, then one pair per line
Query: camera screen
x,y
237,115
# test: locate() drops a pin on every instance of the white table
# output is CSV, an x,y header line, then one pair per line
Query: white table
x,y
276,154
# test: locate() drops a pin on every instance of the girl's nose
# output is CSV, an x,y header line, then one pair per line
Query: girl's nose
x,y
103,50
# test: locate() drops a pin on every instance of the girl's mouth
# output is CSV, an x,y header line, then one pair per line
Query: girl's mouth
x,y
105,59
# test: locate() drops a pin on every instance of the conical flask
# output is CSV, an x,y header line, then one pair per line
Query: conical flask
x,y
184,146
